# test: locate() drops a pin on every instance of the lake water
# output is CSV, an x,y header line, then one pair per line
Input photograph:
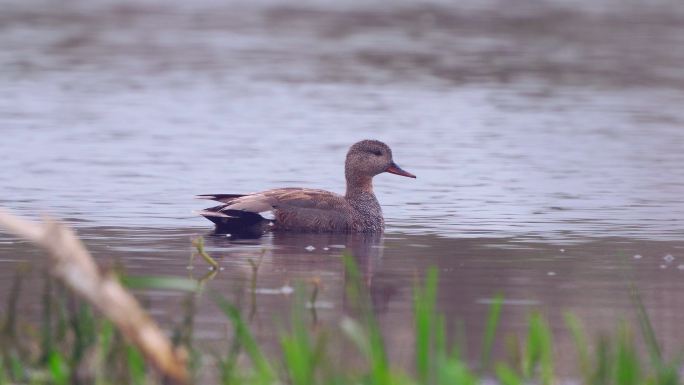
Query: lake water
x,y
547,139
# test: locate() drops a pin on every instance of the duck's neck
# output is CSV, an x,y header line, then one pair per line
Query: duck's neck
x,y
360,196
360,190
358,186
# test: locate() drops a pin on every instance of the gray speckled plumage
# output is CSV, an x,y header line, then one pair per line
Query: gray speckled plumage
x,y
311,210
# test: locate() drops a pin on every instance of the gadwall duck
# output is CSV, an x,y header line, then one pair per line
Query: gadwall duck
x,y
311,210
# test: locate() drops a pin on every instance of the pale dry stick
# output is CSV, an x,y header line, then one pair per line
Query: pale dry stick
x,y
73,265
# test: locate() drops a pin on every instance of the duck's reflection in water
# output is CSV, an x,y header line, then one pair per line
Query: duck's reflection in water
x,y
277,261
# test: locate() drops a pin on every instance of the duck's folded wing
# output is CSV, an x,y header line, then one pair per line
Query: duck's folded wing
x,y
301,198
255,203
285,199
312,210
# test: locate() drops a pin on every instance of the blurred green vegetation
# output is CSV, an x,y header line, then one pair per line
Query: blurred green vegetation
x,y
73,345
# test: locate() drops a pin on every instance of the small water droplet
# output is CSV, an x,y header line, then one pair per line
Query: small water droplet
x,y
663,266
562,250
551,273
638,256
669,258
310,248
326,248
286,289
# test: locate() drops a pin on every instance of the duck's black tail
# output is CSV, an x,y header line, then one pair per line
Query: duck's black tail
x,y
236,222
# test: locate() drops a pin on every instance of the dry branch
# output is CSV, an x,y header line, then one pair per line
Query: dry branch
x,y
73,265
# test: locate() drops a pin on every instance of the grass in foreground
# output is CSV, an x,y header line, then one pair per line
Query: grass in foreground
x,y
72,345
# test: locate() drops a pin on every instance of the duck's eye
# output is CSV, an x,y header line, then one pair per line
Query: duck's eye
x,y
377,153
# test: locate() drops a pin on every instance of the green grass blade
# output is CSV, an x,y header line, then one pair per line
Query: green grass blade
x,y
603,362
490,331
358,294
539,351
507,376
105,339
440,338
380,368
300,358
627,368
668,374
59,371
247,341
46,319
136,365
353,330
581,345
83,326
453,371
424,300
647,328
4,378
17,368
10,322
514,353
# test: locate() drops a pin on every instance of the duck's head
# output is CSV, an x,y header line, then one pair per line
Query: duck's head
x,y
369,158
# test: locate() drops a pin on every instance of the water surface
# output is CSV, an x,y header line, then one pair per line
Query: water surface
x,y
547,140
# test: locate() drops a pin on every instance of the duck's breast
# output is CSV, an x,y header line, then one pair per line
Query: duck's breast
x,y
367,213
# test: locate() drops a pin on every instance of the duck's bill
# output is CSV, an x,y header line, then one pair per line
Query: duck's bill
x,y
394,169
